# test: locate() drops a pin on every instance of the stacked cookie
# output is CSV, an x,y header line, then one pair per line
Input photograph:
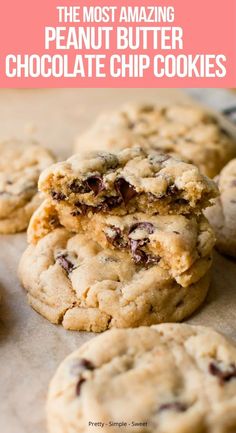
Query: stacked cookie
x,y
120,241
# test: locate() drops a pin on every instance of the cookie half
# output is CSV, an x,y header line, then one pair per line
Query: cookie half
x,y
186,130
73,281
222,215
20,166
128,181
174,242
160,379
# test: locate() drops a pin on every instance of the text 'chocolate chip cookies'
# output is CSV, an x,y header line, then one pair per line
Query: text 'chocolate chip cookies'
x,y
159,379
20,166
188,131
120,241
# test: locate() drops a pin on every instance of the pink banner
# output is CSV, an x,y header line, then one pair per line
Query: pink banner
x,y
130,43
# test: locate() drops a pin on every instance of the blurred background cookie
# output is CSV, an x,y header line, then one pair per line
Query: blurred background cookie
x,y
222,215
186,130
20,166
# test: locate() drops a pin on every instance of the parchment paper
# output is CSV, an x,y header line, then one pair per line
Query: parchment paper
x,y
30,347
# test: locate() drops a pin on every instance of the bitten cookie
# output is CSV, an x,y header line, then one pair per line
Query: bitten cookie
x,y
222,215
175,242
189,131
159,379
20,167
73,281
128,181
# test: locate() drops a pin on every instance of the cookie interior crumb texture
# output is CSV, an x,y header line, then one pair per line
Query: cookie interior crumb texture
x,y
128,181
174,242
189,131
166,379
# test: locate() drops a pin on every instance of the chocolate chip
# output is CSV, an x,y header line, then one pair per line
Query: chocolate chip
x,y
78,386
225,132
139,256
58,195
149,227
88,365
95,184
65,263
223,375
126,190
172,190
114,236
176,406
78,187
181,201
177,233
131,125
109,203
82,364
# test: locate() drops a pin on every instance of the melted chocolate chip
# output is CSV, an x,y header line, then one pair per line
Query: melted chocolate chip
x,y
177,233
181,201
172,190
95,184
109,203
149,227
78,187
126,191
139,256
65,263
115,237
176,406
223,375
58,196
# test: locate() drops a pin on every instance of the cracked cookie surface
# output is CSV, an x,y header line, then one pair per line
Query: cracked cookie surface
x,y
73,281
222,215
189,131
174,242
20,166
128,181
169,378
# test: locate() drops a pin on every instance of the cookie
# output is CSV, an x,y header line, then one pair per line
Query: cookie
x,y
174,242
132,180
222,215
189,131
161,379
74,281
20,167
